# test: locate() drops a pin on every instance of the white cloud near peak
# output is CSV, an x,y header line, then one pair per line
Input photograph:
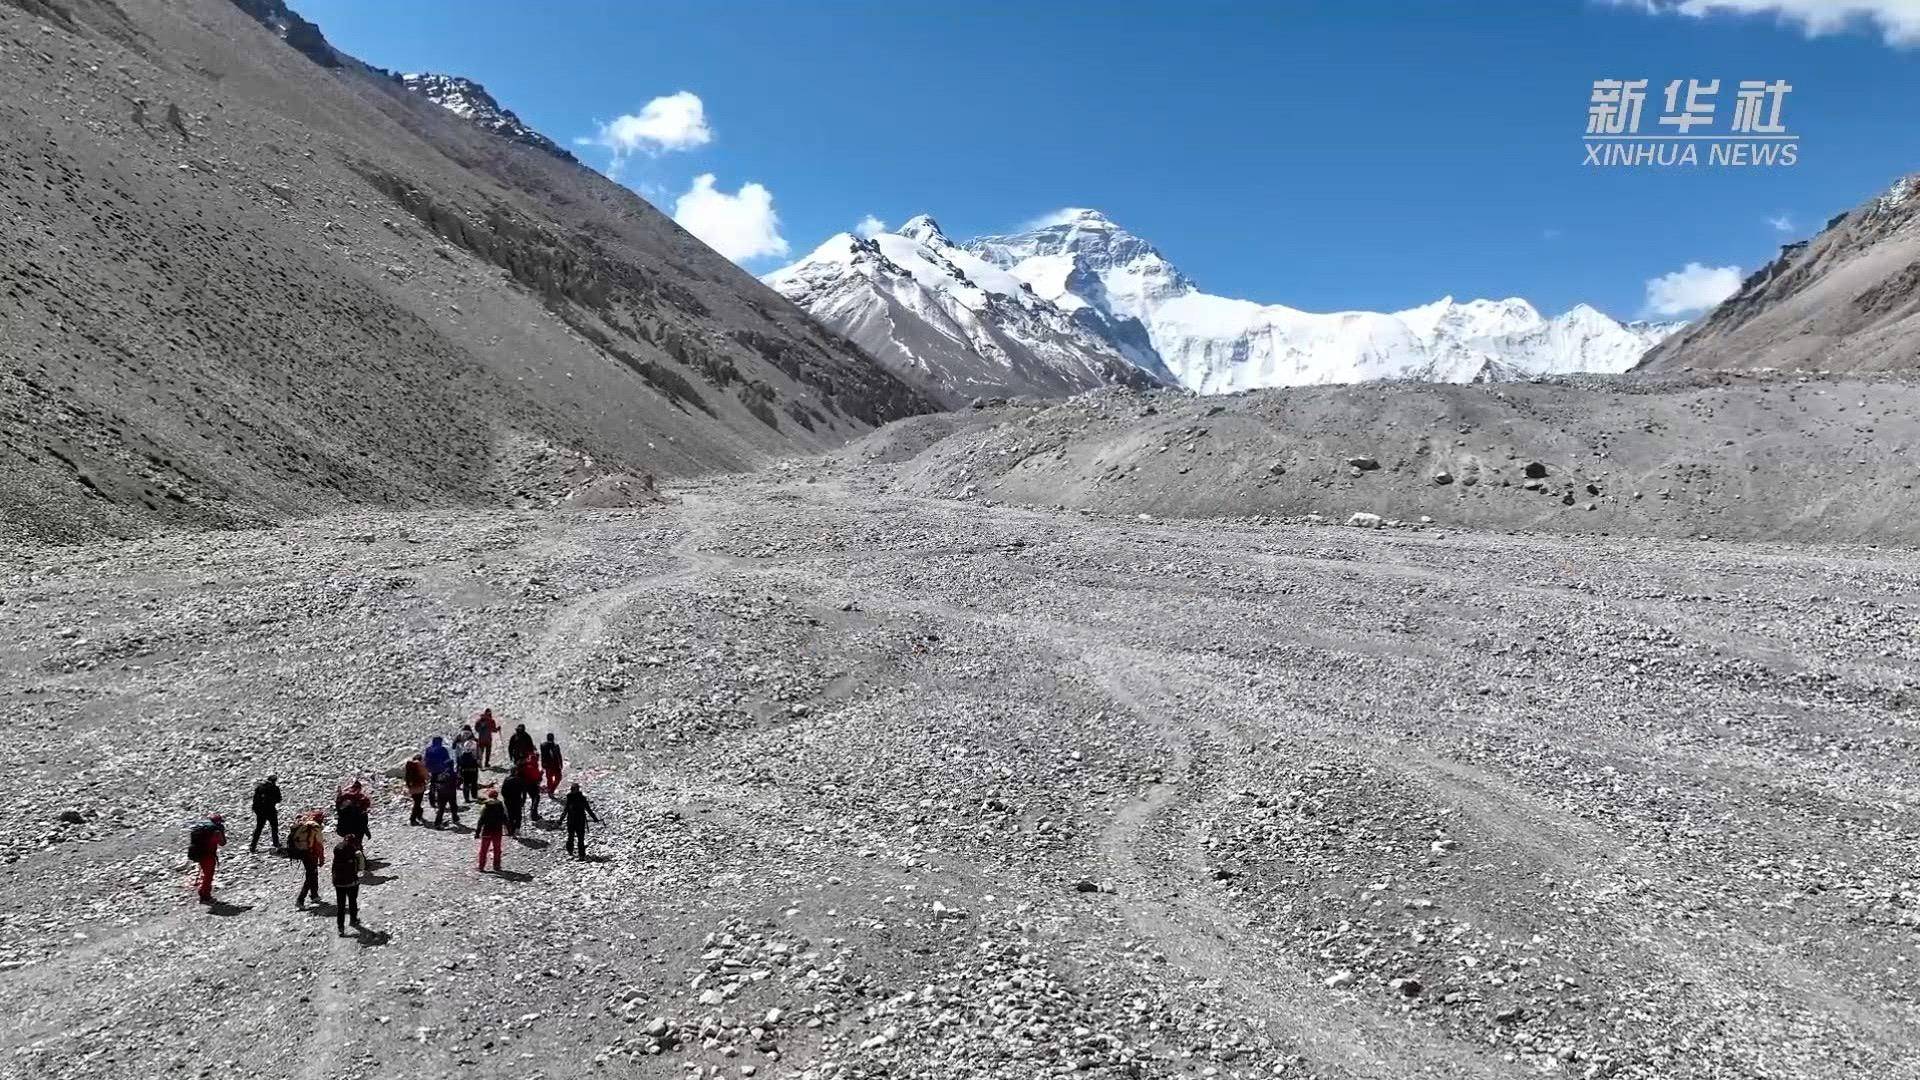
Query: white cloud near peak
x,y
869,227
1781,223
1691,289
740,226
677,121
1897,21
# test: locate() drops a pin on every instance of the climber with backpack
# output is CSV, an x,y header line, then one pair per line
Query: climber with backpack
x,y
350,810
520,745
463,742
266,810
490,826
437,756
446,797
513,795
306,843
468,763
414,775
203,849
483,732
550,762
528,770
347,866
575,813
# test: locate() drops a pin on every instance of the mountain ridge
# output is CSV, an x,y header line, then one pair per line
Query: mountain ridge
x,y
276,283
946,320
1846,299
1222,344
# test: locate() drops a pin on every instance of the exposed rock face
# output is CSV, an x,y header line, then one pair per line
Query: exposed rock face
x,y
277,282
1847,299
469,100
303,36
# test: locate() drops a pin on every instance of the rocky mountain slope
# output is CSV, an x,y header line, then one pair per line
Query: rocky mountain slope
x,y
470,101
247,277
1216,344
949,321
1847,299
1722,456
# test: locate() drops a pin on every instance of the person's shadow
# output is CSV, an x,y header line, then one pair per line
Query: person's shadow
x,y
514,875
226,910
320,908
533,842
371,878
373,939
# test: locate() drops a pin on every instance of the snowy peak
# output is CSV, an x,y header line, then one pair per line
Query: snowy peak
x,y
922,228
947,319
1448,318
470,101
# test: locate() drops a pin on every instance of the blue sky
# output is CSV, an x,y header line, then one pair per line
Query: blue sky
x,y
1361,154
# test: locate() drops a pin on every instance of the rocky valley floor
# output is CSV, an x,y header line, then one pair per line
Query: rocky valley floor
x,y
905,787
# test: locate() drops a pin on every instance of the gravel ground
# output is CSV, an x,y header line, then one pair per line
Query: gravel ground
x,y
907,787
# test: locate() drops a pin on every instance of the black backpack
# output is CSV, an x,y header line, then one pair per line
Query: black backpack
x,y
200,841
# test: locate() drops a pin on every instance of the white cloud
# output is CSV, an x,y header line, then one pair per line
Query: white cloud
x,y
870,226
1054,217
1550,234
741,226
1781,223
675,122
1691,289
1898,21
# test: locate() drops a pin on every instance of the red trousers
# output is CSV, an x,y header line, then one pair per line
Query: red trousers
x,y
553,780
206,877
489,841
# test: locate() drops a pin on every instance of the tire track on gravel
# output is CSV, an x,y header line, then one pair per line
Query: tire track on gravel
x,y
1202,935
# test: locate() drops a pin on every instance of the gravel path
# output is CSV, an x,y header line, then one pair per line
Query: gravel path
x,y
906,787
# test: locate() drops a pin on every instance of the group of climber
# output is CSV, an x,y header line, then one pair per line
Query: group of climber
x,y
442,775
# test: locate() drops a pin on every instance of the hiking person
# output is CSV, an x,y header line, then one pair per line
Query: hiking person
x,y
520,745
304,842
446,796
468,763
463,742
266,811
416,777
550,762
515,795
350,813
529,773
437,756
347,865
491,826
203,849
483,732
575,812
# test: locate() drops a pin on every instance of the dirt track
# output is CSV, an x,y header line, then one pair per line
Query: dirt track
x,y
962,791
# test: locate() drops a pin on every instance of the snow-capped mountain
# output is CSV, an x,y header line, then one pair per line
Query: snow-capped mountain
x,y
1082,261
956,324
469,100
